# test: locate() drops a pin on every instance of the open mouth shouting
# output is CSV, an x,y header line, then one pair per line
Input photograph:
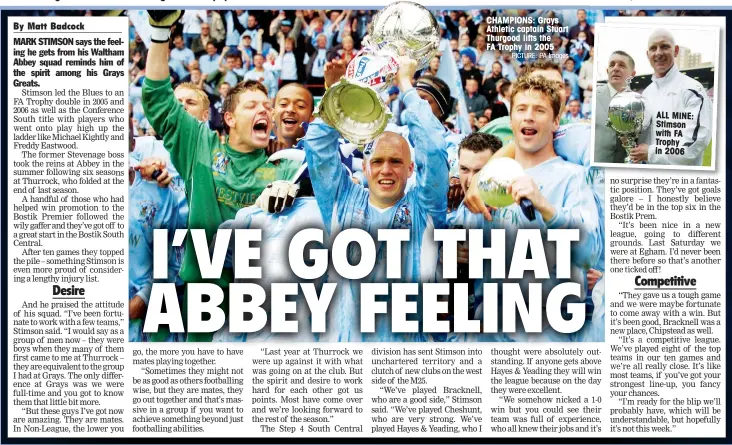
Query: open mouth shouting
x,y
529,131
290,124
260,130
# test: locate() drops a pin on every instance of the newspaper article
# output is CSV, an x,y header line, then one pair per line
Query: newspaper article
x,y
400,222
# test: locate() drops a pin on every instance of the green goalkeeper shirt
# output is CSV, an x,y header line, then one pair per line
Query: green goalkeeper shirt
x,y
219,180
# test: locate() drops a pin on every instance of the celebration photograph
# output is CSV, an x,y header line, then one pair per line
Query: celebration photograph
x,y
655,95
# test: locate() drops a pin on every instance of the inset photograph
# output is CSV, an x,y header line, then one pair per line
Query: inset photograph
x,y
654,96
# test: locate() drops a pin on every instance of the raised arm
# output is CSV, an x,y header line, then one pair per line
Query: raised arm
x,y
157,57
222,57
238,27
297,26
328,175
452,28
274,27
430,149
180,131
258,44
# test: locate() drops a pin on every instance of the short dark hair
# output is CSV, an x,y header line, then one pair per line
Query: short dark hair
x,y
440,92
480,142
232,99
302,87
624,54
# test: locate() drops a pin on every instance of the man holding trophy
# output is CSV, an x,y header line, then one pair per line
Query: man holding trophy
x,y
672,94
353,110
620,71
557,189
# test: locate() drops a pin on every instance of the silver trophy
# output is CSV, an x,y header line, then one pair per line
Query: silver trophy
x,y
628,118
493,181
353,106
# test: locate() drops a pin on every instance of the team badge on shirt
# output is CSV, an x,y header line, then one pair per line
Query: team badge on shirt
x,y
265,173
147,213
402,218
452,162
595,174
360,218
220,162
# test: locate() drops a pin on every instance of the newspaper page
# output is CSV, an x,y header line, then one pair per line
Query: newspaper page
x,y
403,222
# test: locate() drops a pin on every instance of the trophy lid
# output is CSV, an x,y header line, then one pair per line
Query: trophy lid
x,y
407,26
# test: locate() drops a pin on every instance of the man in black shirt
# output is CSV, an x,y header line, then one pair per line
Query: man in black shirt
x,y
469,71
582,25
491,82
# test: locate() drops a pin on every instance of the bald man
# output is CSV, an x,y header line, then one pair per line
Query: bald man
x,y
681,125
385,204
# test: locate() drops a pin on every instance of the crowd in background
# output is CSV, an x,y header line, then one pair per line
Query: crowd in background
x,y
219,48
216,49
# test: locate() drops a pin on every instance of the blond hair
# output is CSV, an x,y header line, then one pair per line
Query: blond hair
x,y
196,89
